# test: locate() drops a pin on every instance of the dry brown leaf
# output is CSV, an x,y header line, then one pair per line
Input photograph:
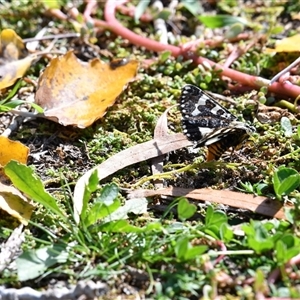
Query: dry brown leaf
x,y
160,131
11,248
73,92
295,16
257,204
11,66
15,204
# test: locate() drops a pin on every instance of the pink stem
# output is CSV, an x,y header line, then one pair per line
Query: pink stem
x,y
118,28
91,5
286,89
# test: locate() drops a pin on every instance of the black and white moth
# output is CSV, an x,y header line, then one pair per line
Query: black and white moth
x,y
206,123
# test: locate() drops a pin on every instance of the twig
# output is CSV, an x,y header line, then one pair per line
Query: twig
x,y
53,36
14,125
286,70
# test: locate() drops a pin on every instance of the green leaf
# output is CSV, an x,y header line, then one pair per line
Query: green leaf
x,y
39,109
14,103
104,205
181,248
164,14
13,92
280,251
285,180
140,9
86,188
51,3
108,194
185,209
258,237
185,251
289,214
282,173
100,211
286,248
288,240
298,131
221,20
289,185
234,30
34,263
214,220
259,187
195,251
260,281
226,233
125,226
116,226
136,206
286,126
166,55
90,187
260,245
193,6
247,187
11,105
25,180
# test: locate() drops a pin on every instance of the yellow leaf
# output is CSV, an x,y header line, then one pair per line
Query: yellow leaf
x,y
14,70
74,92
11,45
289,44
12,65
12,150
15,204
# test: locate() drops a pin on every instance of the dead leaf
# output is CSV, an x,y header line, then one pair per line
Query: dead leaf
x,y
11,46
295,16
15,204
11,248
73,92
11,66
161,130
10,150
289,44
257,204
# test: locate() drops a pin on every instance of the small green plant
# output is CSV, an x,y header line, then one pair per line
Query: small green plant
x,y
8,103
185,251
106,210
285,180
256,188
185,209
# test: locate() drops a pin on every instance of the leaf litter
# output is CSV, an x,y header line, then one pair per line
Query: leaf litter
x,y
77,93
163,145
13,62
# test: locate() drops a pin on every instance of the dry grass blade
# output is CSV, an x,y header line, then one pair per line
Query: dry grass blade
x,y
257,204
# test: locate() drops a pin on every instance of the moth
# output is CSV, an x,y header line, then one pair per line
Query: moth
x,y
207,123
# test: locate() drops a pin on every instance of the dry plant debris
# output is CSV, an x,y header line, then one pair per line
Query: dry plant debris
x,y
115,135
13,64
78,93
